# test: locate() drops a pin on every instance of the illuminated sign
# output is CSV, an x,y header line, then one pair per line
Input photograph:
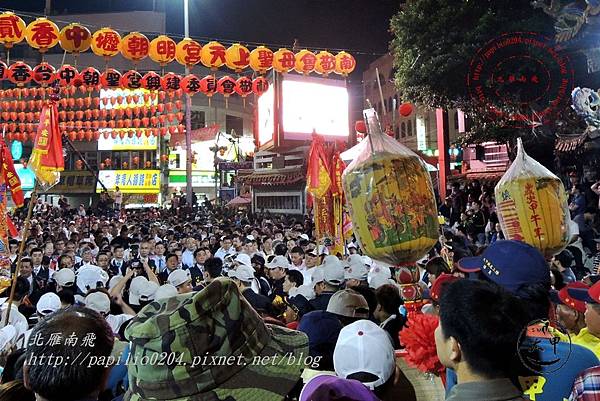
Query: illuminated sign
x,y
126,143
26,176
266,116
199,179
16,150
314,105
421,134
130,181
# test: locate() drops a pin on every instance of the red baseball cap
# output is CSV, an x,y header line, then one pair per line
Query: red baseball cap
x,y
436,289
563,297
589,295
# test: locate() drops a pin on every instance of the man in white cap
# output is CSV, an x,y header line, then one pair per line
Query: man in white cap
x,y
99,301
356,274
277,269
47,304
89,277
64,279
165,291
327,280
243,277
182,280
141,292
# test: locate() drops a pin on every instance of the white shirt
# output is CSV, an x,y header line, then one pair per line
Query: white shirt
x,y
161,263
301,268
187,257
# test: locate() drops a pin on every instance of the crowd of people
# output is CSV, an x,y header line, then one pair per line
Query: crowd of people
x,y
207,303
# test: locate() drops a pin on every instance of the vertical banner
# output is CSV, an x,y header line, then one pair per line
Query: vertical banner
x,y
337,192
5,272
318,186
47,160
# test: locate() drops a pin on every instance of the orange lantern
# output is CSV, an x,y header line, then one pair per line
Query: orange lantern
x,y
13,29
89,135
260,86
188,52
131,80
237,57
190,85
72,136
20,73
108,161
75,38
44,74
344,63
325,63
213,55
105,43
151,81
284,60
170,82
261,59
66,75
162,50
125,165
135,46
136,160
164,158
42,34
208,85
90,78
226,86
305,62
148,164
110,79
243,86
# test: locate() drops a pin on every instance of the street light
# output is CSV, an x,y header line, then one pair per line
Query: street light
x,y
188,117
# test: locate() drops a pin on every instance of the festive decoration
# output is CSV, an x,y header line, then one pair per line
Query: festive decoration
x,y
20,73
284,60
131,80
151,81
3,70
226,86
237,57
162,50
90,78
261,59
170,82
110,79
360,127
46,159
418,338
106,42
44,74
208,85
190,84
12,29
305,62
213,55
42,34
325,63
9,175
260,86
188,52
344,63
75,38
243,86
135,46
405,109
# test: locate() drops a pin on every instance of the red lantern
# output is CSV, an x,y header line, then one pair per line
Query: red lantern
x,y
108,161
10,136
44,74
139,133
169,82
226,86
90,78
89,135
190,85
164,158
360,127
151,81
405,109
72,136
79,164
148,164
260,85
110,79
131,80
3,70
208,85
20,73
243,86
67,75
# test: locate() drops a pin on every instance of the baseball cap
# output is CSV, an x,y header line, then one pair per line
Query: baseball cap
x,y
48,303
562,297
235,329
90,277
141,290
589,295
377,281
306,290
510,264
98,301
351,245
367,260
364,347
243,259
178,277
322,329
333,270
348,303
242,273
165,291
304,236
278,261
356,268
65,277
436,289
328,387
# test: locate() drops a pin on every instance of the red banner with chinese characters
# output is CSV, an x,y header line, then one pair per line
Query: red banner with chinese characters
x,y
11,179
318,181
47,159
337,191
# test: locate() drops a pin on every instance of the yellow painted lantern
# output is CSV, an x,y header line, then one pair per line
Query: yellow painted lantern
x,y
261,59
188,52
237,57
305,62
135,46
75,38
12,29
106,42
284,60
213,55
42,34
162,50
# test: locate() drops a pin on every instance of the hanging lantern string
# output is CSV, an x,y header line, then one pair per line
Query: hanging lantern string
x,y
202,38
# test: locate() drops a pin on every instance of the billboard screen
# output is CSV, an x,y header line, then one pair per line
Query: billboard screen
x,y
266,116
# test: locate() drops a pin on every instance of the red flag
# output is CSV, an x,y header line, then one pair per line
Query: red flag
x,y
12,229
47,159
318,182
10,175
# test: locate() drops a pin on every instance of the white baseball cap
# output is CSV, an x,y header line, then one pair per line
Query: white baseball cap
x,y
333,270
367,260
179,277
65,277
89,276
141,290
48,303
356,268
278,261
165,291
317,275
114,281
377,281
98,301
348,303
304,236
307,291
242,273
243,259
365,347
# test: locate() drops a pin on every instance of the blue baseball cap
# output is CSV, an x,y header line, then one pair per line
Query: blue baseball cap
x,y
510,264
589,295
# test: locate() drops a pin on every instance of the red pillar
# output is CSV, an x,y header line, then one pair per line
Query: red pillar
x,y
443,138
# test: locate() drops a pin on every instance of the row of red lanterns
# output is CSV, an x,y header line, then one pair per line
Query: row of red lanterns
x,y
19,93
83,103
91,80
95,118
75,133
104,165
